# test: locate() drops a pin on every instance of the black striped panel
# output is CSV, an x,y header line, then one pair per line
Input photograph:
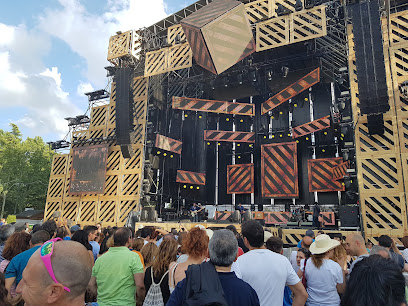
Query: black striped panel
x,y
304,83
240,178
189,177
321,175
311,127
227,136
340,170
168,144
279,170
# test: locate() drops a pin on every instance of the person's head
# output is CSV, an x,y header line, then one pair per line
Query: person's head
x,y
275,244
16,244
181,238
39,237
302,253
122,237
146,232
233,229
369,245
375,281
6,231
91,230
50,226
3,290
108,231
99,227
339,254
322,248
196,243
223,248
355,245
404,241
166,254
337,236
82,237
72,268
137,244
253,233
36,227
385,241
310,233
379,250
75,228
149,251
306,242
61,232
319,233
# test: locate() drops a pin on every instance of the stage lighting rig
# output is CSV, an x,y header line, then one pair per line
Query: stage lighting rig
x,y
59,144
97,95
80,119
110,71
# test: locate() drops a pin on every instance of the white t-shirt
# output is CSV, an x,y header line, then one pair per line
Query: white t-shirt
x,y
405,255
267,272
293,262
321,283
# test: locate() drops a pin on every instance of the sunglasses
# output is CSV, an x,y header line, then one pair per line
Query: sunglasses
x,y
46,251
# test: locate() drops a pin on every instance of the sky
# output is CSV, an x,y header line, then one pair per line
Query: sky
x,y
53,51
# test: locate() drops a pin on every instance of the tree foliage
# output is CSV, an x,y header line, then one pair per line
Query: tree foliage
x,y
25,167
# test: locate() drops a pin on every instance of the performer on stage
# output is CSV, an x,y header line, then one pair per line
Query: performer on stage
x,y
316,213
195,210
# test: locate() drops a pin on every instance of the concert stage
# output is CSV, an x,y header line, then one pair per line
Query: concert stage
x,y
269,103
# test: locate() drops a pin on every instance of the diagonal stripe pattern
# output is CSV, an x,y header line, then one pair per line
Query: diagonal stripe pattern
x,y
321,175
304,83
213,106
340,170
311,127
240,178
279,170
168,144
189,177
228,136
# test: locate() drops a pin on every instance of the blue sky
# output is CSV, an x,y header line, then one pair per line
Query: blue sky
x,y
52,51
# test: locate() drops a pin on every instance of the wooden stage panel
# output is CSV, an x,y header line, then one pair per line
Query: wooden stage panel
x,y
321,175
240,178
279,170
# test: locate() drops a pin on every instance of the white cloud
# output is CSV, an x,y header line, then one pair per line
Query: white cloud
x,y
10,80
83,88
88,34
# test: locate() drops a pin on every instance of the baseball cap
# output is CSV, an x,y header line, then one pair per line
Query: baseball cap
x,y
310,233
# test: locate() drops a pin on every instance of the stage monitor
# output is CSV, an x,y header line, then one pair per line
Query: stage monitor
x,y
88,170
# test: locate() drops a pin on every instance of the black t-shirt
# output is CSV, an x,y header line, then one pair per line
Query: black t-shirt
x,y
241,244
164,286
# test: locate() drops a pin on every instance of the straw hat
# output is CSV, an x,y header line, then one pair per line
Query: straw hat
x,y
322,244
267,235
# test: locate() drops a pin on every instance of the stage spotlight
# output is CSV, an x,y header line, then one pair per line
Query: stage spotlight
x,y
164,154
158,152
191,187
264,137
171,156
199,117
273,136
285,71
238,144
198,187
325,133
242,120
250,146
297,141
208,143
185,115
239,78
280,135
185,186
219,143
227,119
239,156
298,5
269,75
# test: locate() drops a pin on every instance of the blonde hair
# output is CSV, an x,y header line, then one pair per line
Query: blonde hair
x,y
339,254
317,259
166,254
149,252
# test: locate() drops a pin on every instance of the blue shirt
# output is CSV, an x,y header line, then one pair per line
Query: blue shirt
x,y
18,264
236,291
299,245
95,249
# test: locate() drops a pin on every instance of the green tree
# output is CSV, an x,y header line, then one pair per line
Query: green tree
x,y
25,167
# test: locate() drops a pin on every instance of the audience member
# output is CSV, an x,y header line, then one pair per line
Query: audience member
x,y
309,233
117,276
3,292
241,243
50,226
379,250
375,281
16,244
5,232
196,246
325,278
369,246
15,268
92,232
340,256
148,253
72,269
404,241
222,250
274,244
265,271
182,256
355,246
387,242
301,254
82,237
304,244
158,272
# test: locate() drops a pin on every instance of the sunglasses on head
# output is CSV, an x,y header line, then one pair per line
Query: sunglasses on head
x,y
45,253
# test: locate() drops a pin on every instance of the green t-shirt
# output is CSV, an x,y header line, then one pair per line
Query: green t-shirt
x,y
114,276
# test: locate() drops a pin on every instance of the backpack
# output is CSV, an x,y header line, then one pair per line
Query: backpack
x,y
203,286
154,296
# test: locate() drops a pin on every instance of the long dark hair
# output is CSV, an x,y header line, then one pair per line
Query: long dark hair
x,y
82,237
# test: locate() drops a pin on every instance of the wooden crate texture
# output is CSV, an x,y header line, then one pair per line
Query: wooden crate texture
x,y
123,176
168,59
122,45
173,32
292,28
381,164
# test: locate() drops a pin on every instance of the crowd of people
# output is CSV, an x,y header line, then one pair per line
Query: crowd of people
x,y
57,264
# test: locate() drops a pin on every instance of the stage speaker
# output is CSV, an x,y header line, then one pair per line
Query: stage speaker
x,y
132,219
247,215
127,150
143,215
236,216
375,124
219,35
371,75
124,110
349,216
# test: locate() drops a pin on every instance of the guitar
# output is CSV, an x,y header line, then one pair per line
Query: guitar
x,y
195,212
